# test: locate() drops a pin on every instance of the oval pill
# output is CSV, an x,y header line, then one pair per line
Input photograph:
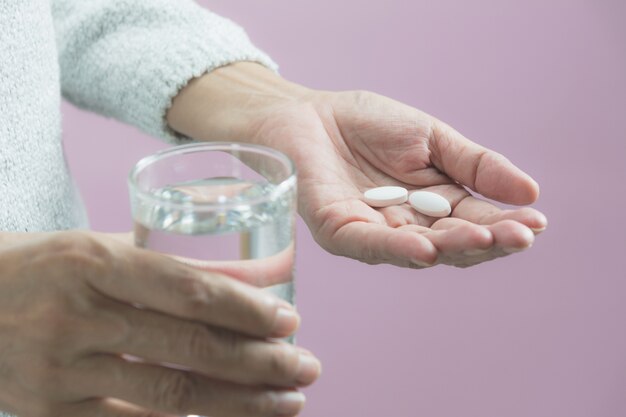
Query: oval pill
x,y
430,204
386,196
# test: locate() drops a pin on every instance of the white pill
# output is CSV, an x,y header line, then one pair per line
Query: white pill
x,y
430,204
386,196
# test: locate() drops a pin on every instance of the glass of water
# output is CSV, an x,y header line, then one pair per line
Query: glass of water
x,y
221,206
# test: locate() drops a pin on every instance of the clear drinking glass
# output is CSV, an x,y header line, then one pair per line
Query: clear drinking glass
x,y
223,206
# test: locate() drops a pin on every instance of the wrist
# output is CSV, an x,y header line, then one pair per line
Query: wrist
x,y
226,103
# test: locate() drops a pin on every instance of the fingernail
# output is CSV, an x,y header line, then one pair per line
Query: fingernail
x,y
286,322
537,230
289,403
515,250
309,369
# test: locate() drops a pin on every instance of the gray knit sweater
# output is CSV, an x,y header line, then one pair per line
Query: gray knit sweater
x,y
121,58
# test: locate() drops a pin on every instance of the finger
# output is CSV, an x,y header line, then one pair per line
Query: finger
x,y
480,169
378,243
175,391
108,407
482,212
459,242
508,236
138,276
457,236
218,353
264,272
467,207
474,251
511,236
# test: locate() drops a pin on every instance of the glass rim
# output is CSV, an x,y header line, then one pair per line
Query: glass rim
x,y
145,195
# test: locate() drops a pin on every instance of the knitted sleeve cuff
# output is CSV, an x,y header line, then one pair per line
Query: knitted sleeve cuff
x,y
129,59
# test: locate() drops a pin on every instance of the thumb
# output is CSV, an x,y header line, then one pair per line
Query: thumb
x,y
271,270
484,171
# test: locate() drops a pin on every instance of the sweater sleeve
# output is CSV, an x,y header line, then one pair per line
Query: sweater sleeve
x,y
128,59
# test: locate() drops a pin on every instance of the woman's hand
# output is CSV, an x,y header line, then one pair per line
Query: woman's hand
x,y
344,143
90,325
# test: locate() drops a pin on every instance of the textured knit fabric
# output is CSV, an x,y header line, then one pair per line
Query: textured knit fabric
x,y
125,59
122,58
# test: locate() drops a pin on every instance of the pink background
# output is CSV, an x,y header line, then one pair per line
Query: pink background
x,y
539,334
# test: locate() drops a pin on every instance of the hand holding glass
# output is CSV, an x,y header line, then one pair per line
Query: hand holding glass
x,y
224,207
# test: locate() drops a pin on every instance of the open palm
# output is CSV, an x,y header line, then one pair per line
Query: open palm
x,y
345,143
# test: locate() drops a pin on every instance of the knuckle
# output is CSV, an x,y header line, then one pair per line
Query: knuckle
x,y
79,250
71,240
195,293
176,391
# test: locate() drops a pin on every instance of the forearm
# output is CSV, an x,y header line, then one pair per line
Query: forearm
x,y
226,103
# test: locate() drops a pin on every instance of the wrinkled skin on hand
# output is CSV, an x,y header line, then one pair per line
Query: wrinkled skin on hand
x,y
344,143
92,326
